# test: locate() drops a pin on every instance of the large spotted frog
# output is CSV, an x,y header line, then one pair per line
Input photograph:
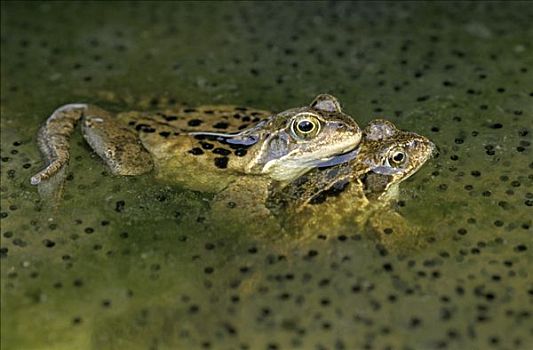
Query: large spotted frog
x,y
204,148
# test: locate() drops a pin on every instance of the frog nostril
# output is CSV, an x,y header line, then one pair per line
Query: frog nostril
x,y
338,126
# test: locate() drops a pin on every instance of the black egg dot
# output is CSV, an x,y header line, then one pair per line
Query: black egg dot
x,y
120,205
78,283
19,243
48,243
520,248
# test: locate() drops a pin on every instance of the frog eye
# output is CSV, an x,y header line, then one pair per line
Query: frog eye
x,y
397,157
305,125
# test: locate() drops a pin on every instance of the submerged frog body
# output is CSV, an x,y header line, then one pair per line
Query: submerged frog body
x,y
356,192
204,148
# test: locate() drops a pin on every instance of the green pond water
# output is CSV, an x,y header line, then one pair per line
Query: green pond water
x,y
130,263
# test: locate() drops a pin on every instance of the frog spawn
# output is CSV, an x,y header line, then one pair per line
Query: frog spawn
x,y
178,283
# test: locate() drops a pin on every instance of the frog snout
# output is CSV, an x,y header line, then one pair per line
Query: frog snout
x,y
344,127
435,150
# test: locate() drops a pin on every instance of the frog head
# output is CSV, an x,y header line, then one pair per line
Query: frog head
x,y
288,144
299,139
388,156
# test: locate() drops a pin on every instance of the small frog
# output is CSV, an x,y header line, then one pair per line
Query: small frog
x,y
357,191
204,148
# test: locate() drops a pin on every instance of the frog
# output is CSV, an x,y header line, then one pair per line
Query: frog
x,y
205,148
356,193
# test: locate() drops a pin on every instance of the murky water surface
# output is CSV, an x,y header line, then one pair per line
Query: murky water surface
x,y
130,263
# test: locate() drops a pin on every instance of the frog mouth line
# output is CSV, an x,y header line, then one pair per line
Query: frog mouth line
x,y
337,159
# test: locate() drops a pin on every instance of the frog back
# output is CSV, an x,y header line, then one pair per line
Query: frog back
x,y
213,118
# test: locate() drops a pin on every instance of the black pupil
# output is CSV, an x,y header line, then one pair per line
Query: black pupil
x,y
305,126
398,157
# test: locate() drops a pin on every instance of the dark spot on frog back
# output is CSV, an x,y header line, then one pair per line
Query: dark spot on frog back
x,y
170,118
196,151
221,151
240,152
194,122
221,125
207,145
144,128
221,162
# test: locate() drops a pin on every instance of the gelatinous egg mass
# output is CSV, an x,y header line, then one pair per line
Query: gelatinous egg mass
x,y
132,263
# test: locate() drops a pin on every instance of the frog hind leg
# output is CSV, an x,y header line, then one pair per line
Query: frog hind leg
x,y
119,147
54,140
54,136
